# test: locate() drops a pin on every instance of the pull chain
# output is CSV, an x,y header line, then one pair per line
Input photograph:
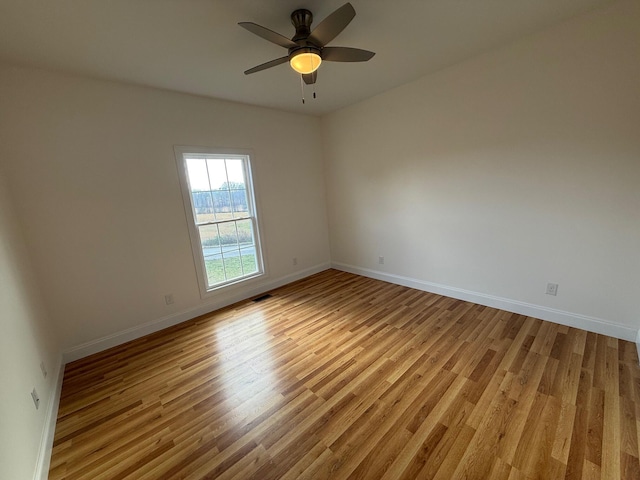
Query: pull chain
x,y
302,88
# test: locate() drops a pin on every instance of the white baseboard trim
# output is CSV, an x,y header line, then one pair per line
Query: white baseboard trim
x,y
100,344
49,430
561,317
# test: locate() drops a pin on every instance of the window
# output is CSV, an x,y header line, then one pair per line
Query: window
x,y
219,201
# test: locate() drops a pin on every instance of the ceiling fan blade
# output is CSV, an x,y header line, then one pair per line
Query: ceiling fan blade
x,y
310,78
266,65
267,34
330,27
346,54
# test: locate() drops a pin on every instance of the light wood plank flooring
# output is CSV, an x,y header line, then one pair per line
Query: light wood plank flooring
x,y
339,376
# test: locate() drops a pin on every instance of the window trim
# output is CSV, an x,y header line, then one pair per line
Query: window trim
x,y
181,152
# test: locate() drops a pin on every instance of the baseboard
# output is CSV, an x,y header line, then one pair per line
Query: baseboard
x,y
561,317
638,345
49,430
100,344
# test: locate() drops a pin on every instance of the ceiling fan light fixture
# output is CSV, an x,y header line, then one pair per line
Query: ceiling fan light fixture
x,y
305,62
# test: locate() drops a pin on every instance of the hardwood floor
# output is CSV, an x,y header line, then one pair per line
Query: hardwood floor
x,y
339,376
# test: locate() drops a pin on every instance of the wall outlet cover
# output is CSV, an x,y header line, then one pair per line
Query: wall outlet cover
x,y
552,289
36,398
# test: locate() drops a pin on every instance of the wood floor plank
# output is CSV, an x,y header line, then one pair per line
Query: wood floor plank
x,y
426,428
341,377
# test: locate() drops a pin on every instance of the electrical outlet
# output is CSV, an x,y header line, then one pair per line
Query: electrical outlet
x,y
36,398
552,289
294,260
168,299
43,369
381,260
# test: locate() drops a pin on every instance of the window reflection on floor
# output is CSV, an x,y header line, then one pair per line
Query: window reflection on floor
x,y
245,351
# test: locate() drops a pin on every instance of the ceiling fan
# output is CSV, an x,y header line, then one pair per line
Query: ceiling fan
x,y
307,49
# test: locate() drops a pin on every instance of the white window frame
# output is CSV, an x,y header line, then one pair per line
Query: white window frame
x,y
184,152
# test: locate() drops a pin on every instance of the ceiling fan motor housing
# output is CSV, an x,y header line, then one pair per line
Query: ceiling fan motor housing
x,y
301,20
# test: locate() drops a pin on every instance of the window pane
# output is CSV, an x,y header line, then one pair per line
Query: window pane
x,y
239,202
217,173
224,207
219,194
233,265
200,190
203,207
249,260
209,239
228,236
245,232
236,187
215,269
197,171
235,171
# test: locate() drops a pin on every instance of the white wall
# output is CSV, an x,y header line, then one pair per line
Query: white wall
x,y
495,176
26,339
94,177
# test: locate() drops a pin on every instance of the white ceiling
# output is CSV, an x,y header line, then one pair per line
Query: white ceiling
x,y
196,46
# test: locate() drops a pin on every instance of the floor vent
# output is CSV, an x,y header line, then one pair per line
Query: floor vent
x,y
262,297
